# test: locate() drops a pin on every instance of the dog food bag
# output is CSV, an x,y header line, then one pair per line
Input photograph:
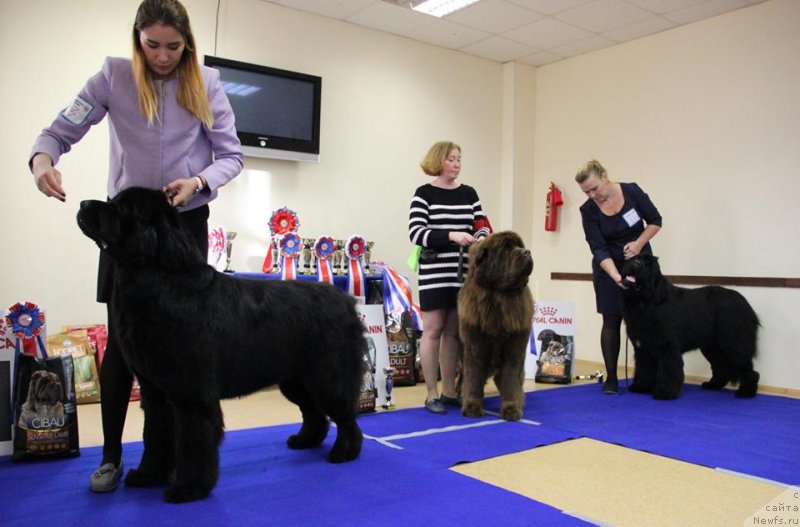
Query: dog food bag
x,y
98,339
402,348
45,414
366,399
77,345
555,357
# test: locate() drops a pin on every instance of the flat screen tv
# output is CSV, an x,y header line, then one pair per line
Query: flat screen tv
x,y
277,111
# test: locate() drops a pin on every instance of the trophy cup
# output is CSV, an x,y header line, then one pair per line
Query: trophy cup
x,y
306,255
276,267
228,248
339,259
389,404
368,256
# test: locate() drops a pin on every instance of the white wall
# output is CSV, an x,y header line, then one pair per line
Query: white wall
x,y
385,100
706,119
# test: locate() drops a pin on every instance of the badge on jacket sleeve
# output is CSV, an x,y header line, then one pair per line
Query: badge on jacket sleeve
x,y
77,112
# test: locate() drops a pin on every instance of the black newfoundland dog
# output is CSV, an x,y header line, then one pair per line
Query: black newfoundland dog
x,y
664,321
194,336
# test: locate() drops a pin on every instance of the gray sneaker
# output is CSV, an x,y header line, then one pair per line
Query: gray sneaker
x,y
435,406
106,478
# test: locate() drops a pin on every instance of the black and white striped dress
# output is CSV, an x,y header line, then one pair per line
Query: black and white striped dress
x,y
433,214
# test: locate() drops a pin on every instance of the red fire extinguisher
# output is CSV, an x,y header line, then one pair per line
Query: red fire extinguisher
x,y
554,201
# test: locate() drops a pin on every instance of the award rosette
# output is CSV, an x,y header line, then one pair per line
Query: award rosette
x,y
323,250
283,221
354,250
217,240
26,322
290,246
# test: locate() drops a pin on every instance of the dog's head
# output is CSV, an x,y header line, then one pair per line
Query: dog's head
x,y
45,388
641,274
500,262
138,227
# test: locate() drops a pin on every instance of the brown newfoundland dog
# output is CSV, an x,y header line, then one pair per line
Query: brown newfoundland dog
x,y
495,309
193,336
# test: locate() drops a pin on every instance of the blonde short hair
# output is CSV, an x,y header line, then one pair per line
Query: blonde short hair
x,y
592,166
434,159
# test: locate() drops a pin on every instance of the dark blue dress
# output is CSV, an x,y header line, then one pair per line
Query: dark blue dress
x,y
607,236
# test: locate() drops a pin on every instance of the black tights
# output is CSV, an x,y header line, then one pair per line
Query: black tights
x,y
115,392
609,343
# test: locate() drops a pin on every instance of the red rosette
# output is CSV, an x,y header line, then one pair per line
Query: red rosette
x,y
355,247
283,221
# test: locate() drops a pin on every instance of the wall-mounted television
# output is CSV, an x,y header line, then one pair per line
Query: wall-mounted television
x,y
277,111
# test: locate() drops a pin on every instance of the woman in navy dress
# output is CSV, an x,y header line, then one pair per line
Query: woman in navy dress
x,y
619,220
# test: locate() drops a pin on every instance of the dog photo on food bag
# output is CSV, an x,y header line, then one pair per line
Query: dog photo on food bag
x,y
44,406
664,321
495,309
193,335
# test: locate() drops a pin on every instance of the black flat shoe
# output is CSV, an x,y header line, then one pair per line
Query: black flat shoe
x,y
611,387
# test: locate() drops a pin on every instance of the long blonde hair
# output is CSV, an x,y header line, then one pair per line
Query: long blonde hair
x,y
192,95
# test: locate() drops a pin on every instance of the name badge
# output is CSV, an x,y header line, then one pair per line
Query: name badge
x,y
631,217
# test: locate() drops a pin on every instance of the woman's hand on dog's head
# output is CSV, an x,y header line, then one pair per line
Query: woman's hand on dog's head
x,y
180,191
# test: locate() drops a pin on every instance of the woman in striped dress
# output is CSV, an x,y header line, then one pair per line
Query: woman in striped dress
x,y
440,220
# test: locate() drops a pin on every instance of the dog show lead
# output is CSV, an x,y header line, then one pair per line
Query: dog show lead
x,y
172,129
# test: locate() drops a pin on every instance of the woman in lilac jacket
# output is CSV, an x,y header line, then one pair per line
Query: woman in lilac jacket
x,y
171,127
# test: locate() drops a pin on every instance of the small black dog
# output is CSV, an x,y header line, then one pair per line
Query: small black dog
x,y
193,336
664,321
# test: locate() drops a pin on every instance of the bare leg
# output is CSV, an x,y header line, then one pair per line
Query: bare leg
x,y
448,358
429,350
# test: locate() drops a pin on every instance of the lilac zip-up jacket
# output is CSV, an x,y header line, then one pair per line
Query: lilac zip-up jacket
x,y
176,146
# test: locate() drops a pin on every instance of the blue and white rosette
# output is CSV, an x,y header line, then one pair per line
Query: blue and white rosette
x,y
323,250
354,250
290,246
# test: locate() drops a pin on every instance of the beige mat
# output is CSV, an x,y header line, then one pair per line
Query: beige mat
x,y
613,485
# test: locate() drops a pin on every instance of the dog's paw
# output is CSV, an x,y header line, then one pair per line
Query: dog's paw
x,y
662,394
141,478
713,385
307,439
343,454
746,392
638,387
472,410
184,493
511,413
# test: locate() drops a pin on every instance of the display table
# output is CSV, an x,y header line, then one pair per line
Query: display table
x,y
339,281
